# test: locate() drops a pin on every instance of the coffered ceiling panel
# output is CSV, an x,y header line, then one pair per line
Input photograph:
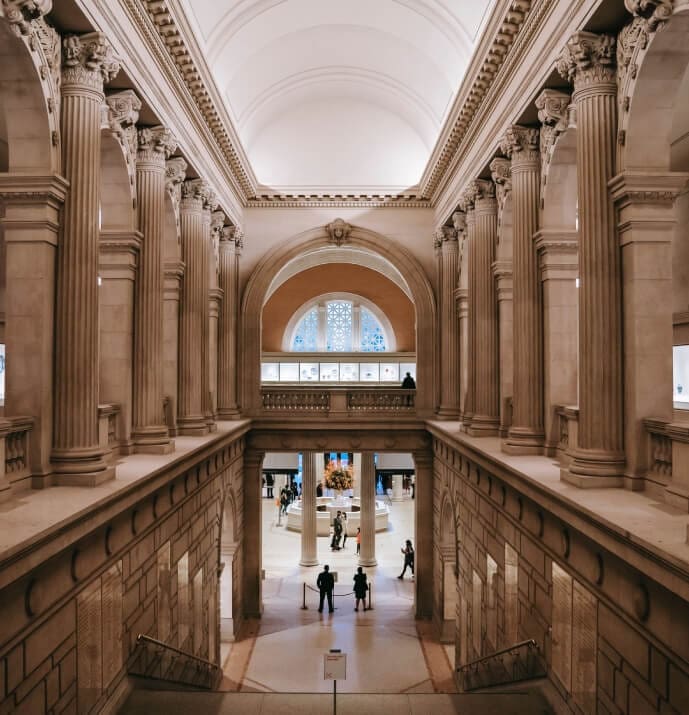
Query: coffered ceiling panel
x,y
337,94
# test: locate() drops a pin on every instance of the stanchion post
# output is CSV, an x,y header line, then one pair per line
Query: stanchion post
x,y
370,592
303,605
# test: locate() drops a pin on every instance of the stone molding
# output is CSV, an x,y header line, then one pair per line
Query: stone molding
x,y
367,200
646,187
88,61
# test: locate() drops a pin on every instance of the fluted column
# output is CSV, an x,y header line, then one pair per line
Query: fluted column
x,y
149,432
367,557
526,433
449,328
88,62
486,417
193,308
309,549
589,61
467,204
206,221
230,250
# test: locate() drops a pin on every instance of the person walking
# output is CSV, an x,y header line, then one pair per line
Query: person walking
x,y
360,588
343,519
358,540
408,552
326,584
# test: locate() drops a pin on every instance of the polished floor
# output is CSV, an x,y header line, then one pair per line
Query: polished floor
x,y
387,650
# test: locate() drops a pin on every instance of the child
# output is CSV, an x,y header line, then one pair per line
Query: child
x,y
358,540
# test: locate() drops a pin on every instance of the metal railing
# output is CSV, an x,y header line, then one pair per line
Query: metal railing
x,y
157,660
521,661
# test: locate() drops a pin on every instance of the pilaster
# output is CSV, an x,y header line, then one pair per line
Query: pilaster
x,y
209,206
588,60
88,62
448,248
467,205
526,433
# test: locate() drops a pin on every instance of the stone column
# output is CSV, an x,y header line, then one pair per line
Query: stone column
x,y
367,557
467,203
446,239
502,272
228,277
88,62
460,308
588,60
252,547
215,299
309,544
397,487
30,227
356,489
175,170
423,562
206,245
526,433
193,308
485,366
150,434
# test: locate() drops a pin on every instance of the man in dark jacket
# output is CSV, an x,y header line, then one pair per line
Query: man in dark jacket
x,y
326,584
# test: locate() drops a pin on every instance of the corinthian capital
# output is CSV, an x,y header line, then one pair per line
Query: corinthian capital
x,y
88,60
459,221
155,144
467,198
197,190
588,58
483,189
520,140
175,171
501,171
211,201
217,223
123,109
654,12
21,13
552,107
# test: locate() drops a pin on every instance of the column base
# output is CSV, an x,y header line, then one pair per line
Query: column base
x,y
308,562
152,440
228,413
192,426
483,426
591,469
522,440
81,466
448,413
467,419
368,562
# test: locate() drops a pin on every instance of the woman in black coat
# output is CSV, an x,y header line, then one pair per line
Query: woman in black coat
x,y
360,588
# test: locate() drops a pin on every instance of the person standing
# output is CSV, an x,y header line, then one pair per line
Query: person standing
x,y
408,552
337,532
270,480
358,540
326,584
343,518
360,588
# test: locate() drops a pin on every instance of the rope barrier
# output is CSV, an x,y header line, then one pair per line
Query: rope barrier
x,y
304,607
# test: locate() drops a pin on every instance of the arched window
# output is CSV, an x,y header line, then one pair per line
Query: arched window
x,y
338,323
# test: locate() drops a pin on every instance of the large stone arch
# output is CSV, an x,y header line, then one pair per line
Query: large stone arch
x,y
360,239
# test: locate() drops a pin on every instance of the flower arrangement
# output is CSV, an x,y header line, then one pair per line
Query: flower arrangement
x,y
338,477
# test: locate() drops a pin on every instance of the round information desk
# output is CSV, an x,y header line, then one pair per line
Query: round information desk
x,y
326,510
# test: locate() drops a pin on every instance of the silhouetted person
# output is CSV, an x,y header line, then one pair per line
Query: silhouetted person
x,y
326,584
360,588
408,552
408,382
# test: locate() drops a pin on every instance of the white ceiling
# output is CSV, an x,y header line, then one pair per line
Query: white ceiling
x,y
337,94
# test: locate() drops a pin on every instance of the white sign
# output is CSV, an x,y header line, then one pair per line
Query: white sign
x,y
335,666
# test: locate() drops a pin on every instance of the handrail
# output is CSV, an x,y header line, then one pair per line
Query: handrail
x,y
142,637
485,658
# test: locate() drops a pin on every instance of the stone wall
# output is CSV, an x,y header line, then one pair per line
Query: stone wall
x,y
147,561
610,617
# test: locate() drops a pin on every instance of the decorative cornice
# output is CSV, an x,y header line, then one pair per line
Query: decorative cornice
x,y
469,100
338,232
588,59
276,200
155,144
88,60
646,187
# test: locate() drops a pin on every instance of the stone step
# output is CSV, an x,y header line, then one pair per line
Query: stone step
x,y
147,702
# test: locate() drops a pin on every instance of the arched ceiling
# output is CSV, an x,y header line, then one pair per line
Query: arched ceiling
x,y
333,94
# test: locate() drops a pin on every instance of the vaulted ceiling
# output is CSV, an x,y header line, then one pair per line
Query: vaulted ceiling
x,y
337,94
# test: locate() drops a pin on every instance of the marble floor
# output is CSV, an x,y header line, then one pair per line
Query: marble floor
x,y
388,652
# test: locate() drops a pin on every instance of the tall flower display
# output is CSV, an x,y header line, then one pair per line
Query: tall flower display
x,y
338,477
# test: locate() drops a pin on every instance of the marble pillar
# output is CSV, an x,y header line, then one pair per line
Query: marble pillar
x,y
215,300
193,309
447,246
526,434
77,458
484,374
150,434
356,488
228,278
310,475
252,542
423,517
588,60
467,203
206,248
397,487
460,310
367,557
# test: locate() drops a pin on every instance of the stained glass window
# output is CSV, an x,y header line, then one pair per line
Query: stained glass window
x,y
306,335
338,331
372,336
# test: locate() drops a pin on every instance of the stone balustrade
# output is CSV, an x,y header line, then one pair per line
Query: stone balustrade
x,y
564,440
338,400
381,400
14,438
295,400
659,450
108,429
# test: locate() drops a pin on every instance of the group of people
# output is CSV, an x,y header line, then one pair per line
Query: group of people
x,y
326,581
288,494
340,532
326,585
